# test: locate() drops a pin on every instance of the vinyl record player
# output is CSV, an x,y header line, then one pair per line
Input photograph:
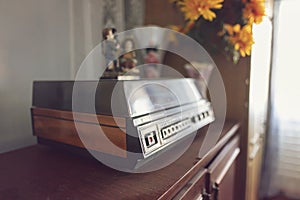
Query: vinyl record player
x,y
142,116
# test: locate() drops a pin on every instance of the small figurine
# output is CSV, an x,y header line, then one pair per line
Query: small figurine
x,y
128,60
152,56
110,49
152,59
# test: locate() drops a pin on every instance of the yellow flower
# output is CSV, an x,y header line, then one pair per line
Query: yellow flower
x,y
188,26
193,9
240,37
175,28
254,11
232,29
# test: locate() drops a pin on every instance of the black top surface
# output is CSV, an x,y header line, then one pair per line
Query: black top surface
x,y
115,97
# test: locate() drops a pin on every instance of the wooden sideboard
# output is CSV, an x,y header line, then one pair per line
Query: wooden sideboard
x,y
60,172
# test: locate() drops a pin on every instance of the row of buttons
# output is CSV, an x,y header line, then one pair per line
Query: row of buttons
x,y
173,129
200,116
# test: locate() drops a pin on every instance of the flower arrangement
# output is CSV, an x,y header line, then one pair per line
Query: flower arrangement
x,y
232,22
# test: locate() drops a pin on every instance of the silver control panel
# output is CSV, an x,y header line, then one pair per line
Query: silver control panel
x,y
158,134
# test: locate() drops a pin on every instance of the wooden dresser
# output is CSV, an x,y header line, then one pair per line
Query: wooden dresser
x,y
51,172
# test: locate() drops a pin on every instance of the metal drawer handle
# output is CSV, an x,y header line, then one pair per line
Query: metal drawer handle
x,y
227,166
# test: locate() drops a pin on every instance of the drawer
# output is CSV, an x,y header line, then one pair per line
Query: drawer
x,y
194,189
221,172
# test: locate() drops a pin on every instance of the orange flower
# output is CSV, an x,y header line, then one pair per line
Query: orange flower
x,y
240,38
193,9
254,11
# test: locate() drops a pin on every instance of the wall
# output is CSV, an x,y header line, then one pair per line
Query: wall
x,y
34,45
48,40
40,40
87,19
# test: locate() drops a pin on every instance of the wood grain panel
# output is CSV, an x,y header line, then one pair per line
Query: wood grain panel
x,y
83,117
110,140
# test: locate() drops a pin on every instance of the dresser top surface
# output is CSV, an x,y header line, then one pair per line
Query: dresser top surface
x,y
45,172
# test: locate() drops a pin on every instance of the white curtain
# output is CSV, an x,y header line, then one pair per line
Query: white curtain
x,y
281,172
